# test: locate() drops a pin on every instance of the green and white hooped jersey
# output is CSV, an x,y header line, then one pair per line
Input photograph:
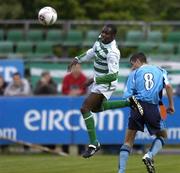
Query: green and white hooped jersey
x,y
106,58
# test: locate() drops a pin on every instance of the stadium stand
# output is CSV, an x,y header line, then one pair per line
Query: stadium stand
x,y
90,37
40,43
73,38
35,35
15,35
173,37
154,36
166,48
1,34
178,49
147,47
45,47
55,35
6,47
24,47
134,37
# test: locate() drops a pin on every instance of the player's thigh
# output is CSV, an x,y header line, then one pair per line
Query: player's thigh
x,y
93,102
152,118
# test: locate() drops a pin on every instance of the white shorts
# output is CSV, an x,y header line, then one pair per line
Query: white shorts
x,y
104,89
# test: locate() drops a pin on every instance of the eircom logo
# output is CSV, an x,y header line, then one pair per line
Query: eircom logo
x,y
8,132
48,120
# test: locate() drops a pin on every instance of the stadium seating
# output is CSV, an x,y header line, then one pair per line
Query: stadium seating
x,y
40,51
147,47
24,47
15,35
1,35
154,36
55,35
6,47
133,38
173,37
90,37
35,35
166,48
44,47
73,38
75,41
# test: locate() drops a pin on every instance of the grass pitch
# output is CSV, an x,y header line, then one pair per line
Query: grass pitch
x,y
75,164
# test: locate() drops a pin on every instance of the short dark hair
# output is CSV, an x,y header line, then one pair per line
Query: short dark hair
x,y
113,28
16,74
140,56
44,73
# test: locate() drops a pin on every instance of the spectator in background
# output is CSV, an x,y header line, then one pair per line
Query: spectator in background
x,y
46,85
3,85
18,87
74,84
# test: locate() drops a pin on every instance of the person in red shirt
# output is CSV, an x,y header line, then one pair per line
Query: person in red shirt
x,y
74,83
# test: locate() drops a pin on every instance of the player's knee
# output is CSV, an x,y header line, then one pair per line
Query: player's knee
x,y
162,134
125,148
84,110
96,110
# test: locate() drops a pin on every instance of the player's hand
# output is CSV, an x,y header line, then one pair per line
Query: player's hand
x,y
74,62
170,110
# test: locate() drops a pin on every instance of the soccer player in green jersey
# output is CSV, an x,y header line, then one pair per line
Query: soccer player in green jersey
x,y
106,67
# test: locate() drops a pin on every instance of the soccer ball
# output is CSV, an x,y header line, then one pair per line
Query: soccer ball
x,y
47,16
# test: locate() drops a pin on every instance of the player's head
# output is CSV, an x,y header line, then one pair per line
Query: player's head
x,y
138,60
108,33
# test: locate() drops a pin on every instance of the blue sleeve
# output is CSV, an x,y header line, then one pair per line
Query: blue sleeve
x,y
166,80
130,86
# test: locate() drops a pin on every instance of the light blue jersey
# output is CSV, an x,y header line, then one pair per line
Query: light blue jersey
x,y
145,83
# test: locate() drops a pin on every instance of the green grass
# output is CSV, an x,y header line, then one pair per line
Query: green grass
x,y
71,164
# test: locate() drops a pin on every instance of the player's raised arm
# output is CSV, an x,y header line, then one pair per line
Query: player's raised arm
x,y
81,58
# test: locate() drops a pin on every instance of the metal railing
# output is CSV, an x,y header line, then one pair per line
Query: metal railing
x,y
67,24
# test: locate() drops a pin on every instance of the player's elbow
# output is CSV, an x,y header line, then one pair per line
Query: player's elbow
x,y
114,77
168,86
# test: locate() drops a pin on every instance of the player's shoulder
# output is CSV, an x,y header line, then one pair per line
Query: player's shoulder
x,y
113,49
160,68
112,53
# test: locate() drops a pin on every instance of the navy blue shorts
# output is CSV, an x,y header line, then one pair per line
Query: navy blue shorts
x,y
151,119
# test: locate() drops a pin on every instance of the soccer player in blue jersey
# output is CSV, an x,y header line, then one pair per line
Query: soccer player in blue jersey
x,y
145,82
